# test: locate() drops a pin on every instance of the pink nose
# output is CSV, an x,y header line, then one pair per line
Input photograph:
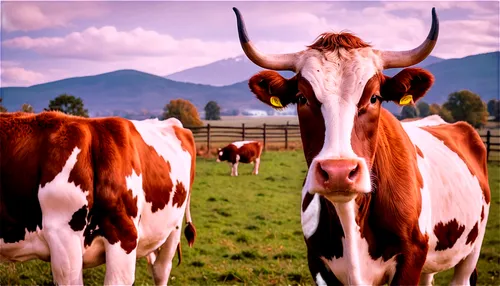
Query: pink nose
x,y
338,174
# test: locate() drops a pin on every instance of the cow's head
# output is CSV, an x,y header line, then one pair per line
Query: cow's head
x,y
338,89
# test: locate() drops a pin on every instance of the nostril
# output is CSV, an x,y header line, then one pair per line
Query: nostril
x,y
322,173
353,173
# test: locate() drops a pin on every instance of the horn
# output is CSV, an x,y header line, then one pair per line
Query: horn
x,y
267,61
400,59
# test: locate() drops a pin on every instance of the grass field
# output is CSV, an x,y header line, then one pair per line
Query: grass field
x,y
249,231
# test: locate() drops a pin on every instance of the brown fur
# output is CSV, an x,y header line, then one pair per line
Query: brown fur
x,y
447,234
471,237
334,41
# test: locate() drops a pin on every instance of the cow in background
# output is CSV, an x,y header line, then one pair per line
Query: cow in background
x,y
383,201
79,192
241,152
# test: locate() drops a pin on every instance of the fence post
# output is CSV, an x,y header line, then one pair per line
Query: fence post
x,y
242,131
488,135
208,137
286,136
264,135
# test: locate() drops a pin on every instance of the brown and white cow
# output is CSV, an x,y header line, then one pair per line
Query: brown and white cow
x,y
383,201
81,192
241,152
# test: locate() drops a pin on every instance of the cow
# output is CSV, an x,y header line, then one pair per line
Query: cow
x,y
382,201
80,192
241,152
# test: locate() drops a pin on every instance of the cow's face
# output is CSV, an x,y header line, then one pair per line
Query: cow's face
x,y
338,89
221,155
338,102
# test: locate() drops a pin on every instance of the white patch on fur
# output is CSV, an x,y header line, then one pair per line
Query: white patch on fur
x,y
238,144
450,192
33,246
319,280
59,200
430,120
356,267
220,153
338,81
310,217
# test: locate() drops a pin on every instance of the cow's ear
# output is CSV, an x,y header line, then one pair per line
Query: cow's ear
x,y
408,86
273,89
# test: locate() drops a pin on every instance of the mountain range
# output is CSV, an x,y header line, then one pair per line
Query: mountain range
x,y
125,92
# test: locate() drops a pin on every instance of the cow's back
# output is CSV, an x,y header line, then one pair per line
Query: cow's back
x,y
455,194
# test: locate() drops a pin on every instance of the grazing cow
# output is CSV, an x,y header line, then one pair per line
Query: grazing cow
x,y
80,192
383,201
241,152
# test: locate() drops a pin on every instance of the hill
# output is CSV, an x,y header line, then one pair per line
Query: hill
x,y
220,73
129,91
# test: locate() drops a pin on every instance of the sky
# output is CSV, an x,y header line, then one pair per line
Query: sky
x,y
50,40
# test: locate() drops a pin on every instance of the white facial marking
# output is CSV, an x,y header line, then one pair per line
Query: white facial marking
x,y
338,81
220,153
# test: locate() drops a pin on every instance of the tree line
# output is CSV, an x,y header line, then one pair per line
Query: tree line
x,y
462,105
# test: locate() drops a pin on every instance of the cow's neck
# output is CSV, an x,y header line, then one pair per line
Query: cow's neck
x,y
363,220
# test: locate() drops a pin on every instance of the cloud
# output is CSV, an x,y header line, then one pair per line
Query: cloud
x,y
17,76
31,16
109,44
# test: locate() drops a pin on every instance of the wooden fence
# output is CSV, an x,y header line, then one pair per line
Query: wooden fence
x,y
285,134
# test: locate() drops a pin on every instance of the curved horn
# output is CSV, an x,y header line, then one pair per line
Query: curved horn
x,y
267,61
408,58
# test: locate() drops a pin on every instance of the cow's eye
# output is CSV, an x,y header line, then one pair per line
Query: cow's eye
x,y
373,99
301,99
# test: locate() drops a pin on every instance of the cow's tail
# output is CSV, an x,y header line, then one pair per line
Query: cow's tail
x,y
190,230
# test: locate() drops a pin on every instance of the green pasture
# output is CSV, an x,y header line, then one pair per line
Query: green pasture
x,y
249,231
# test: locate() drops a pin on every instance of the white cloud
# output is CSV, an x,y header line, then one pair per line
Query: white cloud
x,y
109,44
12,75
31,16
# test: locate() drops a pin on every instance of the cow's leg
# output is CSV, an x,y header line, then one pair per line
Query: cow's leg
x,y
120,265
256,167
66,257
234,169
426,279
465,272
163,263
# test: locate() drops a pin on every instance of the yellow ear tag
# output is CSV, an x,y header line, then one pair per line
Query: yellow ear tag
x,y
405,100
275,101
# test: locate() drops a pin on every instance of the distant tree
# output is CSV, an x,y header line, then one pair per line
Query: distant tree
x,y
2,108
446,115
27,108
434,109
68,104
494,108
408,111
423,109
212,111
465,105
183,110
